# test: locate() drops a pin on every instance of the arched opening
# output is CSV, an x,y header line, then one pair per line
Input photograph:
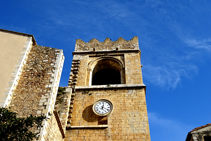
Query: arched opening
x,y
106,76
106,72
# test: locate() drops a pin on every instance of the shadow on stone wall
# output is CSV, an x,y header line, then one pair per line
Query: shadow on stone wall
x,y
89,115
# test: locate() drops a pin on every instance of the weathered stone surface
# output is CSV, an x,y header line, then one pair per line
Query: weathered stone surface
x,y
53,132
128,120
37,88
63,107
35,76
95,45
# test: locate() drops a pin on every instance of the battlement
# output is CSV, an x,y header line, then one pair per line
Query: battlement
x,y
107,45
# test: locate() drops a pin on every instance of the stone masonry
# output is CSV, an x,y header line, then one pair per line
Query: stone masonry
x,y
37,88
128,120
33,89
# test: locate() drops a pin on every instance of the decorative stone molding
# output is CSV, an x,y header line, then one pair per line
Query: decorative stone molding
x,y
117,86
94,62
89,127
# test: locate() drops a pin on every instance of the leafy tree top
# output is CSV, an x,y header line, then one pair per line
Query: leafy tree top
x,y
13,128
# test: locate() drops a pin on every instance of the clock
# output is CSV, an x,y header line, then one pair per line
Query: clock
x,y
102,107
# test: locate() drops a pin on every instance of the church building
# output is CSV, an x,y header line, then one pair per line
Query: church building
x,y
105,97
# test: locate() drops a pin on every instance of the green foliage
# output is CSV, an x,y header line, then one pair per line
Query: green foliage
x,y
13,128
61,92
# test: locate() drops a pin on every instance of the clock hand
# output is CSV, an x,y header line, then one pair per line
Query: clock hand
x,y
106,108
103,105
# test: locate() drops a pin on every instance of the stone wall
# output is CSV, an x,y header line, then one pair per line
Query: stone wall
x,y
129,61
35,76
53,132
133,70
37,88
63,107
128,120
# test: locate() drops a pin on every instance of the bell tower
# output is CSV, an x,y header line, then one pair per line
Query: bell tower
x,y
108,95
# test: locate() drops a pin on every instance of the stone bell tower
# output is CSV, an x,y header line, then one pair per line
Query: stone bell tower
x,y
108,95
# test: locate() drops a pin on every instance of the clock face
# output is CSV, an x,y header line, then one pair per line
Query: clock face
x,y
102,107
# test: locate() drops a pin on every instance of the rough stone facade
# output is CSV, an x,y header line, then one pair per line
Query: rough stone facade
x,y
36,86
95,45
63,108
30,78
53,133
128,120
29,95
33,90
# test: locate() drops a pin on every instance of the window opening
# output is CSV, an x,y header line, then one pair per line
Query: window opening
x,y
106,72
106,76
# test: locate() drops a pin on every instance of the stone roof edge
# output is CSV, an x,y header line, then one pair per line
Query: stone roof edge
x,y
56,49
197,128
19,33
189,135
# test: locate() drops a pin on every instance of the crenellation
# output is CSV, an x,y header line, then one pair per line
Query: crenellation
x,y
130,114
95,45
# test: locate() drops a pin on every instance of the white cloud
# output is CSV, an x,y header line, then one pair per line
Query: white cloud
x,y
199,44
168,75
114,9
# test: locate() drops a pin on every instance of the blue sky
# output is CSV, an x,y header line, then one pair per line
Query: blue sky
x,y
174,38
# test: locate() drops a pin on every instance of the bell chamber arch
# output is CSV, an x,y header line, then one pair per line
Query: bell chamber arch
x,y
107,71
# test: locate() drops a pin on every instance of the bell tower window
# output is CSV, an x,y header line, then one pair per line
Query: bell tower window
x,y
106,72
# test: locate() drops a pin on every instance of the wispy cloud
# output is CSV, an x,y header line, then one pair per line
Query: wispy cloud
x,y
168,128
168,76
158,24
199,44
115,10
166,65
